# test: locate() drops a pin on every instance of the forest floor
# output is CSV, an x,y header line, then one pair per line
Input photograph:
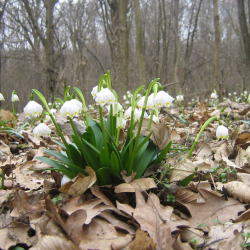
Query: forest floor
x,y
159,211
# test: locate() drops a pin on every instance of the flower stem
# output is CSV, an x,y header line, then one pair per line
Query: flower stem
x,y
103,129
14,113
150,119
199,135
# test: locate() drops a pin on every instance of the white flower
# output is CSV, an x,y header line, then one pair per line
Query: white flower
x,y
105,96
53,111
221,132
127,113
179,98
163,99
229,94
70,108
42,129
138,114
33,109
94,91
119,107
47,118
150,103
2,97
154,118
65,179
141,102
213,95
49,103
235,93
124,97
78,103
14,98
123,123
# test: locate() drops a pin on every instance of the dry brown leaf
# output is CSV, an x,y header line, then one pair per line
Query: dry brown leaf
x,y
160,136
151,215
188,234
141,184
118,224
92,207
186,196
178,245
239,190
215,208
53,242
80,184
223,150
220,233
241,158
181,170
142,241
242,177
5,149
5,115
21,206
4,195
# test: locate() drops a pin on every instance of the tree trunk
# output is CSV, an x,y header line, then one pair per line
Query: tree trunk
x,y
176,39
216,83
124,51
244,29
140,43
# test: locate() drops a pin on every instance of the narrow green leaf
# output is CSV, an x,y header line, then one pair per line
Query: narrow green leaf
x,y
115,163
186,181
162,154
104,158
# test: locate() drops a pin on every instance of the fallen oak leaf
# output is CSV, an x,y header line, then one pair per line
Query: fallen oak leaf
x,y
215,208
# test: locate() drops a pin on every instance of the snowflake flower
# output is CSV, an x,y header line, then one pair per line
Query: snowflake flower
x,y
2,97
14,98
70,108
222,132
123,123
119,107
127,113
42,130
65,179
179,98
213,96
105,96
33,109
163,99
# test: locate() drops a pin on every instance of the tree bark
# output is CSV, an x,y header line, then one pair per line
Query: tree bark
x,y
176,40
244,29
124,51
216,83
140,43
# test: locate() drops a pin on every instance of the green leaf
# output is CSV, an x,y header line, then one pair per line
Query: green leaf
x,y
104,158
104,176
115,163
59,100
203,225
186,181
215,221
162,154
59,143
56,166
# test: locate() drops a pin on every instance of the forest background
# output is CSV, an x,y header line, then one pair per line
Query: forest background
x,y
192,45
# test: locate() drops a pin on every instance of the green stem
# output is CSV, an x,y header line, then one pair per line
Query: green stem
x,y
117,136
216,103
182,110
2,186
103,129
199,135
13,119
151,118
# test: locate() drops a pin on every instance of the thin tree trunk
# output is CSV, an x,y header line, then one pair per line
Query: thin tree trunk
x,y
216,83
176,41
124,51
139,43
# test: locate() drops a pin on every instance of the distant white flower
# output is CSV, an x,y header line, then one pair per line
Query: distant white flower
x,y
127,113
14,98
65,179
154,118
47,118
235,93
245,92
49,103
53,111
127,102
33,109
105,96
70,108
42,130
2,97
119,107
123,123
162,99
222,132
124,97
229,94
179,98
213,96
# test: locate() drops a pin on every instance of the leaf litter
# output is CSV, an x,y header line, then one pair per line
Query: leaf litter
x,y
155,212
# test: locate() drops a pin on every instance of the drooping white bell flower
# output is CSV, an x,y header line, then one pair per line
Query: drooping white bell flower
x,y
95,91
14,98
33,109
2,97
123,123
65,179
105,96
141,102
47,118
179,98
222,132
119,107
69,108
213,96
127,113
42,130
162,99
138,114
78,103
53,111
150,103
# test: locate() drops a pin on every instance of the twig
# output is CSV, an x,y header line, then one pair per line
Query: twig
x,y
15,220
